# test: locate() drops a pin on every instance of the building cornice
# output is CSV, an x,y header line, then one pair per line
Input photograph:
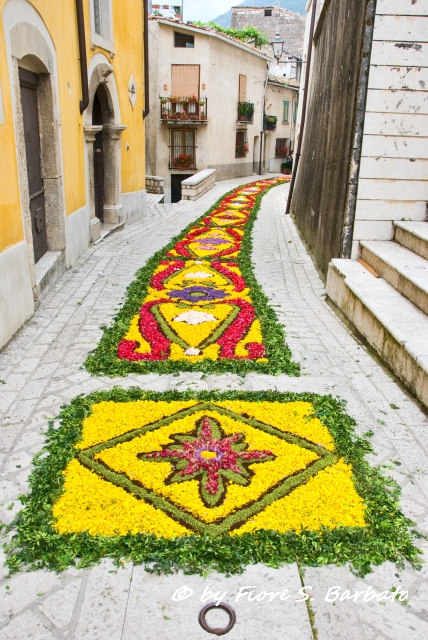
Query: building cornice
x,y
213,34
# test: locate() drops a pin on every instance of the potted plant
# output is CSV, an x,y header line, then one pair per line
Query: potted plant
x,y
241,150
182,161
201,103
202,115
250,111
163,100
192,98
242,111
281,152
172,99
287,167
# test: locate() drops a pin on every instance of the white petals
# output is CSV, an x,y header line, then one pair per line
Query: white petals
x,y
194,317
198,274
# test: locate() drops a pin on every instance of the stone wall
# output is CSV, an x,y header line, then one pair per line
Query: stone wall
x,y
290,25
196,186
155,184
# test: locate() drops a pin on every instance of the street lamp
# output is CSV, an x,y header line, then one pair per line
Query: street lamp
x,y
278,47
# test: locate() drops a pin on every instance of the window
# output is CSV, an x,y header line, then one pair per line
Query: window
x,y
97,16
241,148
282,147
183,40
268,13
286,112
242,88
185,80
295,112
101,24
182,149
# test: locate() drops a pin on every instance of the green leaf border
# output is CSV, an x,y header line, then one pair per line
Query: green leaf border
x,y
35,543
104,361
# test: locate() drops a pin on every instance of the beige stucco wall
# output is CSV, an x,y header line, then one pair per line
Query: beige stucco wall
x,y
275,98
221,63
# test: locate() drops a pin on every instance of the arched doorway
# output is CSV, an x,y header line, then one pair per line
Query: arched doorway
x,y
103,137
98,164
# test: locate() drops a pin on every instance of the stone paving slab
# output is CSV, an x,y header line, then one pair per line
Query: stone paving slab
x,y
41,369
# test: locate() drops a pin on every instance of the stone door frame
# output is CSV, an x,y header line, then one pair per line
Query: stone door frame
x,y
102,81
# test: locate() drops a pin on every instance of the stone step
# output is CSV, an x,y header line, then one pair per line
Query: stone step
x,y
413,236
393,326
404,270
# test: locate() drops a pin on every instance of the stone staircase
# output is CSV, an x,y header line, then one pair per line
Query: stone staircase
x,y
385,296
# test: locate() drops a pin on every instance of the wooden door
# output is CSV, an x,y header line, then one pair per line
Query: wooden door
x,y
29,82
97,119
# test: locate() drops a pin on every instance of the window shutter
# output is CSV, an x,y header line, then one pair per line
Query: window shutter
x,y
185,80
242,88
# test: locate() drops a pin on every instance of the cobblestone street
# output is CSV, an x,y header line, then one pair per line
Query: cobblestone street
x,y
41,369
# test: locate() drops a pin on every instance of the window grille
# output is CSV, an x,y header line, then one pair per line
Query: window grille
x,y
182,149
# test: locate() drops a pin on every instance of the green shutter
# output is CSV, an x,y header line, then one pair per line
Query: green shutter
x,y
286,112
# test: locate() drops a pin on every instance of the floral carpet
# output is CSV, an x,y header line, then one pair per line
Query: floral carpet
x,y
197,306
210,479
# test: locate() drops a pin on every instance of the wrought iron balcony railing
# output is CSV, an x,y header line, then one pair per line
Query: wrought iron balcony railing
x,y
245,112
269,123
179,110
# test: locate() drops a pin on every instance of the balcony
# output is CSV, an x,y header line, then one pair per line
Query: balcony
x,y
245,112
183,110
269,123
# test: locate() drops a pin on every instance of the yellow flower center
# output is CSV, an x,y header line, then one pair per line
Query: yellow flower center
x,y
208,455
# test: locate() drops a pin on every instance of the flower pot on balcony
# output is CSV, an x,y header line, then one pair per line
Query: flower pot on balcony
x,y
202,117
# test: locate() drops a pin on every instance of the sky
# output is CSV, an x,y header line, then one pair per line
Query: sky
x,y
206,9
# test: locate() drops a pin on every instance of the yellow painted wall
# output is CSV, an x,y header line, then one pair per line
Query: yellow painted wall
x,y
128,43
11,227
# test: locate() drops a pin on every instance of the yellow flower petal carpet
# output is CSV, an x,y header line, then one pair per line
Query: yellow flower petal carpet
x,y
231,478
196,304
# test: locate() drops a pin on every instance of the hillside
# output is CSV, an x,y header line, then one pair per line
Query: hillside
x,y
298,6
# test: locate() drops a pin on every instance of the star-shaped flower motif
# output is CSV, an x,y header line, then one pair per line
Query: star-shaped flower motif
x,y
212,456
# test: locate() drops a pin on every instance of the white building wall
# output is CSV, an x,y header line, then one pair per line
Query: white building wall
x,y
275,97
393,181
220,62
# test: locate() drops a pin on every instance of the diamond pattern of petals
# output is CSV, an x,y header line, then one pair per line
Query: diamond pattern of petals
x,y
212,457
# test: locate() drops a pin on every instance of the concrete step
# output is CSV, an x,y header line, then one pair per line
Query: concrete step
x,y
394,327
404,270
413,236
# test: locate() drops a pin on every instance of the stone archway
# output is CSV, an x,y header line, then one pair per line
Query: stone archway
x,y
30,47
103,85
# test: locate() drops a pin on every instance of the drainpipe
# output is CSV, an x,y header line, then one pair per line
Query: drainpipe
x,y
146,60
82,55
262,132
304,107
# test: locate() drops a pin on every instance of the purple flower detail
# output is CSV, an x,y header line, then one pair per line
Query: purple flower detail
x,y
197,294
206,241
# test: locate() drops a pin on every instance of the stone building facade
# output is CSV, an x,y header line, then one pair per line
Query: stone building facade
x,y
269,20
71,162
209,95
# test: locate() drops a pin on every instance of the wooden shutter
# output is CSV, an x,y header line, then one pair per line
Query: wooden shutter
x,y
185,80
242,88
